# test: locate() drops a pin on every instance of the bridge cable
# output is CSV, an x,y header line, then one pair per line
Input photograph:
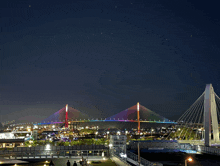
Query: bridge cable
x,y
199,111
195,108
217,109
217,103
186,112
201,115
186,121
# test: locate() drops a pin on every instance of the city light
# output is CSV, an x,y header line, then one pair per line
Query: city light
x,y
35,127
47,147
199,149
189,159
123,155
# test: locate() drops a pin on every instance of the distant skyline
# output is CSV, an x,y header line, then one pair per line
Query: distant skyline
x,y
102,57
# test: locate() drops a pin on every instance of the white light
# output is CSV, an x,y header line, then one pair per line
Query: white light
x,y
107,132
123,155
53,126
47,147
104,158
110,145
35,127
66,107
138,106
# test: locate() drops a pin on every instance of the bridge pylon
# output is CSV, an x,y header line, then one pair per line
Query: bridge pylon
x,y
138,117
66,117
210,115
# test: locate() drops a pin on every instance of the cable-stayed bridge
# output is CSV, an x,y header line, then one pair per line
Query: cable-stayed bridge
x,y
200,123
201,120
128,115
136,113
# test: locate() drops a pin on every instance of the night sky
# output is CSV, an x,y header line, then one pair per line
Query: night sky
x,y
103,56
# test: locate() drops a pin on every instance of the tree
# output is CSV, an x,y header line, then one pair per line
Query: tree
x,y
73,143
86,131
98,142
66,143
27,144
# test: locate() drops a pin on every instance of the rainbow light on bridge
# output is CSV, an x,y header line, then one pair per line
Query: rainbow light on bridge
x,y
48,123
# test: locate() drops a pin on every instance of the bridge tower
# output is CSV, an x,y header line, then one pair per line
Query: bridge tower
x,y
66,118
210,115
138,117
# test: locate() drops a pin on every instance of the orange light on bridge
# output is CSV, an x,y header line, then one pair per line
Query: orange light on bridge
x,y
138,117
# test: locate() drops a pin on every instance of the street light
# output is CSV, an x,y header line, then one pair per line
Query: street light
x,y
47,147
189,159
110,145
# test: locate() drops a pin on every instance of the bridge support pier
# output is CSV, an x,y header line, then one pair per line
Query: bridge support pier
x,y
210,115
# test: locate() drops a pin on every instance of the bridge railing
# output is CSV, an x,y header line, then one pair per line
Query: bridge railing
x,y
142,160
54,154
74,147
119,161
205,149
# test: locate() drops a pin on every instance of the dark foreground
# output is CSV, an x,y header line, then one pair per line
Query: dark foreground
x,y
178,159
42,162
